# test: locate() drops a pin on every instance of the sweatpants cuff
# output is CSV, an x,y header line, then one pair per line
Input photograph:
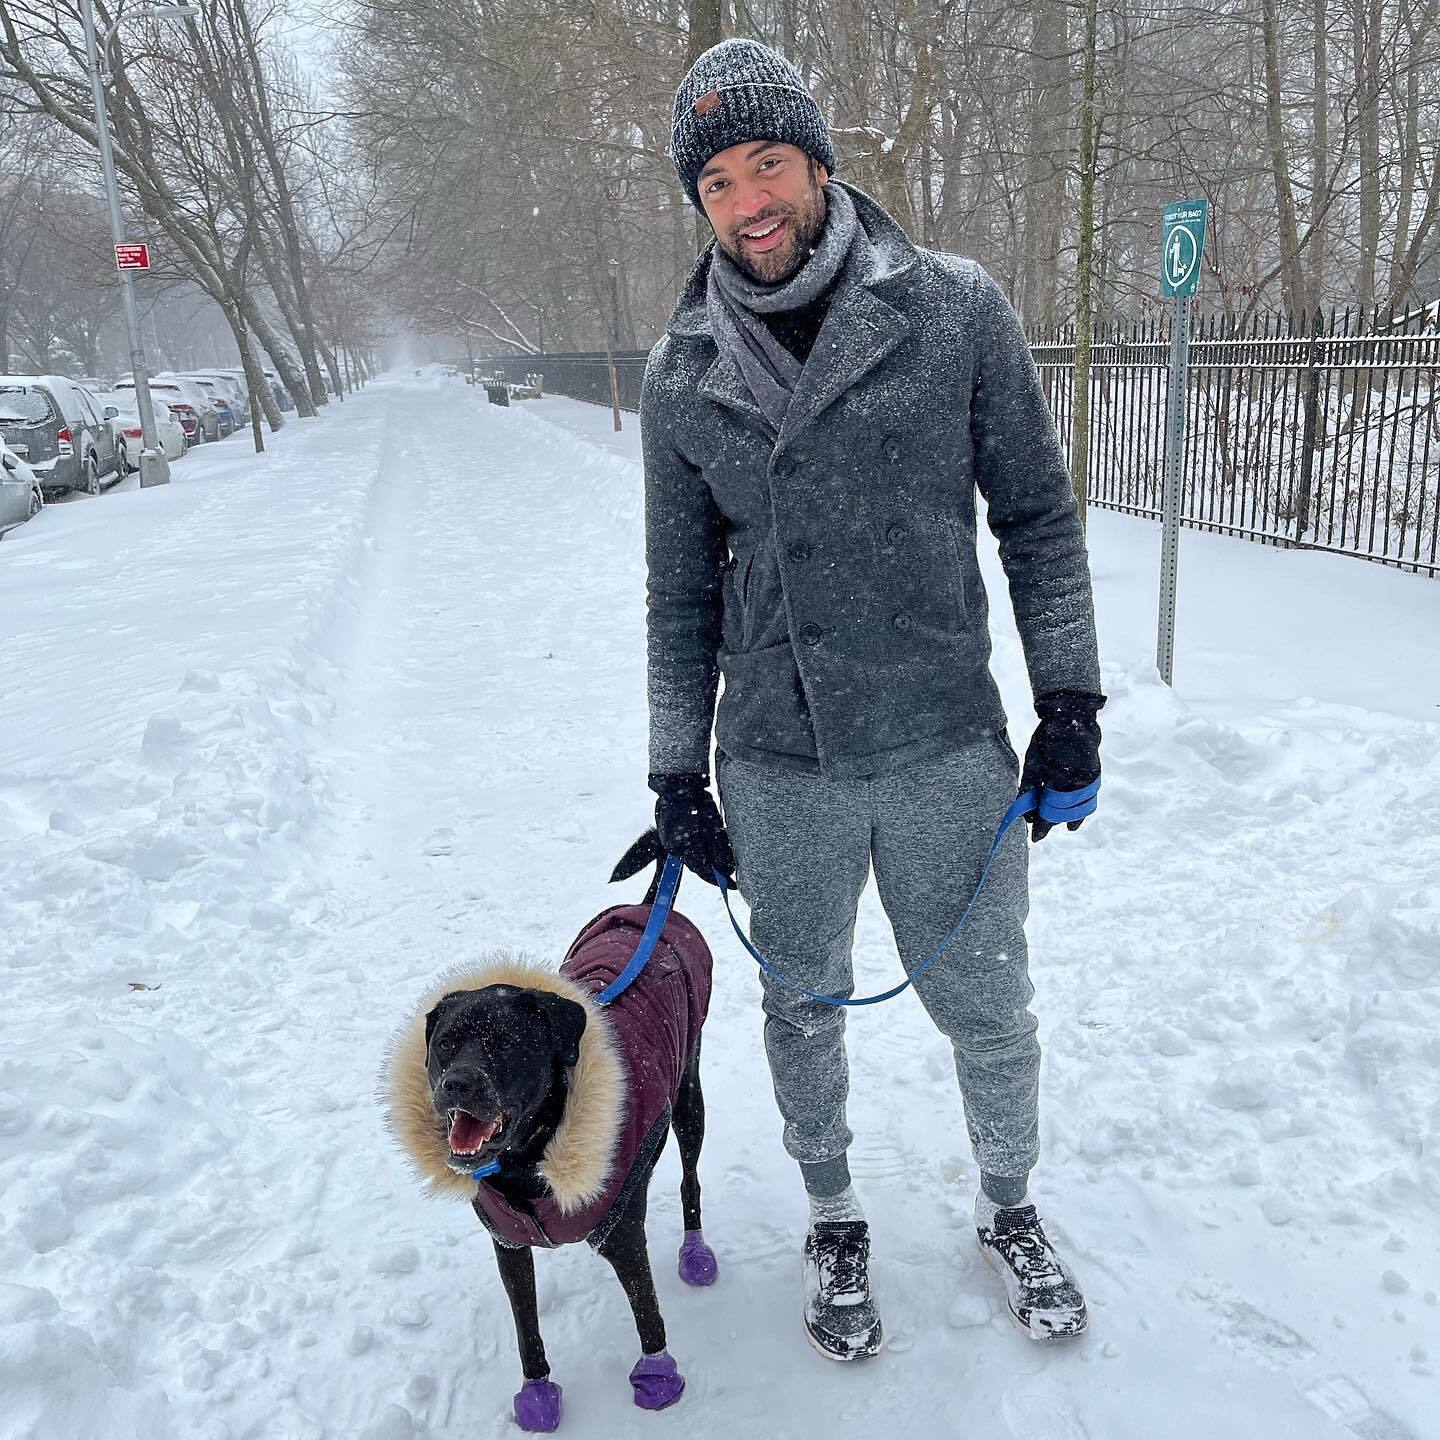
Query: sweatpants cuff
x,y
826,1177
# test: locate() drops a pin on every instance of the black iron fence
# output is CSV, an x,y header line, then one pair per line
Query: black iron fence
x,y
1321,433
583,375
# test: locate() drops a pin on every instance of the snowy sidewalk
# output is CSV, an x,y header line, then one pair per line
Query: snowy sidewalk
x,y
289,738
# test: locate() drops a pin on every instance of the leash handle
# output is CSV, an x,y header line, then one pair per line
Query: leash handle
x,y
650,938
1055,806
1060,807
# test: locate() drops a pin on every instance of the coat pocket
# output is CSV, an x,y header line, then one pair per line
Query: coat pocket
x,y
960,566
762,706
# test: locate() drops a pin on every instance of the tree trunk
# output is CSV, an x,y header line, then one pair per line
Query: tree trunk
x,y
1365,21
1319,178
1045,167
262,398
279,354
1292,280
1080,420
707,28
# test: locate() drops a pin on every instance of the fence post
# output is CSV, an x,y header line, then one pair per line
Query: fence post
x,y
1311,403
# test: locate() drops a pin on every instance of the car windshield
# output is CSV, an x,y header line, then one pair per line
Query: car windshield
x,y
22,406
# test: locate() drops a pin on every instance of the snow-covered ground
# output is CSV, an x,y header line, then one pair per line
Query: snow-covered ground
x,y
279,742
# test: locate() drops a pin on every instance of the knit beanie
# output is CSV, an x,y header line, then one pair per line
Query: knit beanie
x,y
741,90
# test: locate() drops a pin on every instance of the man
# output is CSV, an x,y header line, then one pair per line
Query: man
x,y
816,423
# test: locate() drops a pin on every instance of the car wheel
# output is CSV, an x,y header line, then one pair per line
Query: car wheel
x,y
92,477
122,457
37,501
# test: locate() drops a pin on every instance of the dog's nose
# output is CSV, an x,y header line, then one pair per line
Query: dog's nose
x,y
460,1087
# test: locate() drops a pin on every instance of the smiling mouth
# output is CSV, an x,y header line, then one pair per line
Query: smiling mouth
x,y
763,236
469,1134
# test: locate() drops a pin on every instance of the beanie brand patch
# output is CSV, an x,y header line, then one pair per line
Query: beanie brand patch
x,y
708,102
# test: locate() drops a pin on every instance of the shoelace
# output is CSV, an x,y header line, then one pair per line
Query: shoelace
x,y
1027,1252
843,1264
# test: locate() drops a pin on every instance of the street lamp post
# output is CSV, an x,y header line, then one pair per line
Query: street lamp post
x,y
154,468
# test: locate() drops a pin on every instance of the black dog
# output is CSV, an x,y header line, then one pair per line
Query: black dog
x,y
563,1105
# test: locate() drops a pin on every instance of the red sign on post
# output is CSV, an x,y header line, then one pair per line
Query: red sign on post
x,y
132,257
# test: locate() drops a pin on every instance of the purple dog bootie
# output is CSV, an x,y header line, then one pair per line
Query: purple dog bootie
x,y
698,1265
656,1381
537,1406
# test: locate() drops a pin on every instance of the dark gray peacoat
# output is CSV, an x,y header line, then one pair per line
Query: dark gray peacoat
x,y
829,574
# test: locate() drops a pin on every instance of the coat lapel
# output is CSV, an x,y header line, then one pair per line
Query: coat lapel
x,y
860,330
724,384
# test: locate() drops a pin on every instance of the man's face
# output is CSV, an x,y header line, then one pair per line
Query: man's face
x,y
766,205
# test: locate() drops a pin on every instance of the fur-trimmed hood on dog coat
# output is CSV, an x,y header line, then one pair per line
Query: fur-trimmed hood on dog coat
x,y
633,1055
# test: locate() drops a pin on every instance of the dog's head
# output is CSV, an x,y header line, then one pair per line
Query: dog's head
x,y
494,1058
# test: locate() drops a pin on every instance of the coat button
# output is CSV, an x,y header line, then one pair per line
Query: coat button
x,y
891,448
903,621
799,552
811,634
895,534
784,467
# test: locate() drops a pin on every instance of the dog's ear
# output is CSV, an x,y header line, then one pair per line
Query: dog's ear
x,y
645,851
567,1024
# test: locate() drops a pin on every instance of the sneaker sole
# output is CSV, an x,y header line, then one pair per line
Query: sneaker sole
x,y
874,1344
1069,1333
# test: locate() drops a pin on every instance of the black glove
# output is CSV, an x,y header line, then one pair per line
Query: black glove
x,y
690,825
1064,751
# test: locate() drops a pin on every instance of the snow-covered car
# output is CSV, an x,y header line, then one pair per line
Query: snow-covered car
x,y
199,399
119,409
21,495
189,403
232,387
221,397
51,423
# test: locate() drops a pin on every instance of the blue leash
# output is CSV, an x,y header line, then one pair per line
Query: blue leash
x,y
659,914
1055,806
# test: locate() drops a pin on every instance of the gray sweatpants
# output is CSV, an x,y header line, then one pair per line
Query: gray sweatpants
x,y
804,847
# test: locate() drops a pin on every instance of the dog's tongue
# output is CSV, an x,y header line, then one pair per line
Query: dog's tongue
x,y
467,1134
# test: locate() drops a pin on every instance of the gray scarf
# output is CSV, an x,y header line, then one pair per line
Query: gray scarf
x,y
733,303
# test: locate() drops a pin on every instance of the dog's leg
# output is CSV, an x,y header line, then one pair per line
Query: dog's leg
x,y
697,1259
537,1406
656,1381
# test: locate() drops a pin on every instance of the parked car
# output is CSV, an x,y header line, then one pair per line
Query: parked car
x,y
221,398
119,409
187,401
201,400
233,385
21,495
53,425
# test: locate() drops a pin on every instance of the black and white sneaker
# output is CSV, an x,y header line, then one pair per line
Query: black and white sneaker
x,y
1041,1293
840,1317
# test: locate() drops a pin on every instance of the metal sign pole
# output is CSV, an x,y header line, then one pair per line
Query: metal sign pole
x,y
1174,449
154,468
1182,243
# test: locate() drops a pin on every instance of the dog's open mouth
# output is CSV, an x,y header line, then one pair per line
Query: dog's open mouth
x,y
469,1134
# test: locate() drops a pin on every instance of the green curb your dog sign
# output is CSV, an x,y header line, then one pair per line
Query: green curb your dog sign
x,y
1181,243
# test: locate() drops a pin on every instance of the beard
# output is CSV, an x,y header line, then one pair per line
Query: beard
x,y
774,267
